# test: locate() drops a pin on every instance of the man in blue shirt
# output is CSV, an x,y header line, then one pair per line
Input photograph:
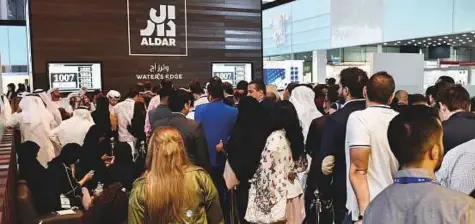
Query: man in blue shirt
x,y
218,121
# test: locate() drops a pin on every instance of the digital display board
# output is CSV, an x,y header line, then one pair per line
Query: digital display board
x,y
69,77
233,72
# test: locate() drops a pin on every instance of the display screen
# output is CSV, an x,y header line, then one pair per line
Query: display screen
x,y
69,77
275,76
233,72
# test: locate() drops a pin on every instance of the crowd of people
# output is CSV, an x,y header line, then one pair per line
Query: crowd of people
x,y
353,152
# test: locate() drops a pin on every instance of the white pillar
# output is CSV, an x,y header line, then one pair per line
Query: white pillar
x,y
3,10
379,48
319,64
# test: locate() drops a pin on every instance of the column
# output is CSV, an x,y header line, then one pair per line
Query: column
x,y
319,66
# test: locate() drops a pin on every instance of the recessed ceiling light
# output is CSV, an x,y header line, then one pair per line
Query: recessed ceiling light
x,y
439,44
429,39
470,40
449,44
398,42
464,35
445,42
440,39
385,43
446,37
424,41
413,40
464,42
460,40
450,39
456,37
419,43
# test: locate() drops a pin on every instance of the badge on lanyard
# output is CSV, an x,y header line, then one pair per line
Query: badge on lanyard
x,y
412,180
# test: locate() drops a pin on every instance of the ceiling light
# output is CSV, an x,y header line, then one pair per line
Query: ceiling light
x,y
464,35
413,40
446,37
460,40
429,39
450,39
399,42
445,42
470,40
456,37
449,44
464,42
419,43
472,32
440,39
385,43
424,41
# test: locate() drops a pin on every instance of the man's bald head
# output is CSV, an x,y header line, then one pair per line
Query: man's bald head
x,y
380,88
402,97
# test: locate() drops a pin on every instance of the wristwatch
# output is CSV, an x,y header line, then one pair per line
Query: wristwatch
x,y
360,217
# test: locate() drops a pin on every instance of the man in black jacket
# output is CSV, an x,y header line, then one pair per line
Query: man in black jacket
x,y
191,131
332,151
453,103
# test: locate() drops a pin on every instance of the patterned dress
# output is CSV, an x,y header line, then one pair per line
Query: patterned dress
x,y
270,185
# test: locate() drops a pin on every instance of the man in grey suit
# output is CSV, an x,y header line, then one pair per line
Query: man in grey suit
x,y
162,110
193,135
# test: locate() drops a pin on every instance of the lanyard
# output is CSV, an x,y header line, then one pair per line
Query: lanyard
x,y
413,180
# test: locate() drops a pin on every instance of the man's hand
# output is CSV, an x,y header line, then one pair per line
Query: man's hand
x,y
220,146
328,164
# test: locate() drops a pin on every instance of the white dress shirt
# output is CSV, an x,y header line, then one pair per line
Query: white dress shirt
x,y
458,168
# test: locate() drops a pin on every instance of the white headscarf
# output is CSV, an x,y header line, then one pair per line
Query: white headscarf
x,y
51,91
50,106
74,129
113,94
303,99
34,111
5,107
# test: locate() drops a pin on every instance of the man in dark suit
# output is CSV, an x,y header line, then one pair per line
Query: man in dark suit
x,y
257,90
192,132
332,151
162,109
453,103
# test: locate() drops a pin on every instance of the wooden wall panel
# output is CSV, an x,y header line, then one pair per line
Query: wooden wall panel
x,y
97,30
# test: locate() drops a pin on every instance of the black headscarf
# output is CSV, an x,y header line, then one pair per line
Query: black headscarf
x,y
123,169
69,155
285,117
27,153
101,115
95,145
248,139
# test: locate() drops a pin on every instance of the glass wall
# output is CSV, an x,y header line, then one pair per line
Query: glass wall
x,y
12,9
13,55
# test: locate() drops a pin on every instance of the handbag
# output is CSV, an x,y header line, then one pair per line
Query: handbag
x,y
230,177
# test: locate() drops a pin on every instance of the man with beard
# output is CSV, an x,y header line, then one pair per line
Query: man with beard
x,y
330,174
415,138
370,164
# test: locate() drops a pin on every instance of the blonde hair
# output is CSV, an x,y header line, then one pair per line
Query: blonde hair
x,y
270,88
165,190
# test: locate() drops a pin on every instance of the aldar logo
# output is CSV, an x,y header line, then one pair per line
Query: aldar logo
x,y
157,29
156,24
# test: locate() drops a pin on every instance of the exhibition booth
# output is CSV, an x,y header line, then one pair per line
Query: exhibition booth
x,y
112,45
